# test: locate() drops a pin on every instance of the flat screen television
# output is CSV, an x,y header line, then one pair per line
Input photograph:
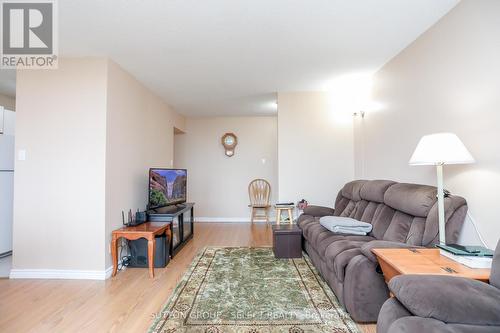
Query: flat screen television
x,y
167,187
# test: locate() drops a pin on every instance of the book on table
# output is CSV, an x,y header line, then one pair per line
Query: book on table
x,y
285,205
470,256
466,250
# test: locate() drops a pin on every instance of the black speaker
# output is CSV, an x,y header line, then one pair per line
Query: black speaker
x,y
139,252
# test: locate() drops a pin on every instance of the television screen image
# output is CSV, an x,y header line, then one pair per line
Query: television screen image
x,y
167,187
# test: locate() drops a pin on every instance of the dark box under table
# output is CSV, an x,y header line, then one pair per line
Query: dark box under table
x,y
287,241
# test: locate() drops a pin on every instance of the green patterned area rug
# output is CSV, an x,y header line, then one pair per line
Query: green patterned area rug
x,y
241,289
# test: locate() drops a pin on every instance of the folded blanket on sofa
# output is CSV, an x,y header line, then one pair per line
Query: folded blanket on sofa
x,y
345,225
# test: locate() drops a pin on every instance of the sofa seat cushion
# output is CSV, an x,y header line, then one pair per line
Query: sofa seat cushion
x,y
318,234
337,248
324,239
323,244
306,225
312,230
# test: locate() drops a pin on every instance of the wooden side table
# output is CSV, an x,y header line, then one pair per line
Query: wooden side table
x,y
280,209
426,262
146,230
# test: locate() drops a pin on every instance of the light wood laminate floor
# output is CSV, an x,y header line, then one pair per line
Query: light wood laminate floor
x,y
126,303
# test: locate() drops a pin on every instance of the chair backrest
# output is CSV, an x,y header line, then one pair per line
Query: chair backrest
x,y
259,191
495,268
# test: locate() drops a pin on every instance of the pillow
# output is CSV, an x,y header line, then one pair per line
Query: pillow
x,y
345,225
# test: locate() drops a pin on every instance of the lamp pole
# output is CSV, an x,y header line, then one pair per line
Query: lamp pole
x,y
440,189
439,149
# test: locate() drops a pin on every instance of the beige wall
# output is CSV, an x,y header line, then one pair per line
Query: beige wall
x,y
448,80
90,131
140,130
8,102
59,188
217,183
315,148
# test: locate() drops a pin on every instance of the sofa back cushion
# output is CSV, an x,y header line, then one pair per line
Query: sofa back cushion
x,y
495,268
400,212
412,199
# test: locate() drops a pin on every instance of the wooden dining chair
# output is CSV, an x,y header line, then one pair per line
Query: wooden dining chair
x,y
259,191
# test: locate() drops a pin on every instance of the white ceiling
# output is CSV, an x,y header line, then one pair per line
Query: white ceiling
x,y
230,57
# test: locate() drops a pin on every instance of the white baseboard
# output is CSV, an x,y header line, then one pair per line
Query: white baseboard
x,y
221,219
60,274
109,270
227,220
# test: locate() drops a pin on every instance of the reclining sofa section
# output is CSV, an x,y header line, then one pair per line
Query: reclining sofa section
x,y
402,215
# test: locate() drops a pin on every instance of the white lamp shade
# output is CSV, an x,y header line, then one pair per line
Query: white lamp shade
x,y
440,148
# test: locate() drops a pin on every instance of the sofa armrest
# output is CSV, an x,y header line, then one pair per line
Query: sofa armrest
x,y
366,249
391,311
428,325
448,298
318,211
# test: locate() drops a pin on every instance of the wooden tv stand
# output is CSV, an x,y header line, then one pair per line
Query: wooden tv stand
x,y
181,219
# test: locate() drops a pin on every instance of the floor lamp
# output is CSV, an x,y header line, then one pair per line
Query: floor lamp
x,y
440,149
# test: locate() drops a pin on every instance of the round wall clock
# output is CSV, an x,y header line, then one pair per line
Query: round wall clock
x,y
229,141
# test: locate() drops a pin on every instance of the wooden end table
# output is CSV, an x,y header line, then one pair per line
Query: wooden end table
x,y
426,262
146,230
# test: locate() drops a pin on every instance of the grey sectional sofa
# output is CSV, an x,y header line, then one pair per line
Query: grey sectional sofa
x,y
432,304
402,215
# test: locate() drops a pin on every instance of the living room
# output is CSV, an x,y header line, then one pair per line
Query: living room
x,y
376,117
